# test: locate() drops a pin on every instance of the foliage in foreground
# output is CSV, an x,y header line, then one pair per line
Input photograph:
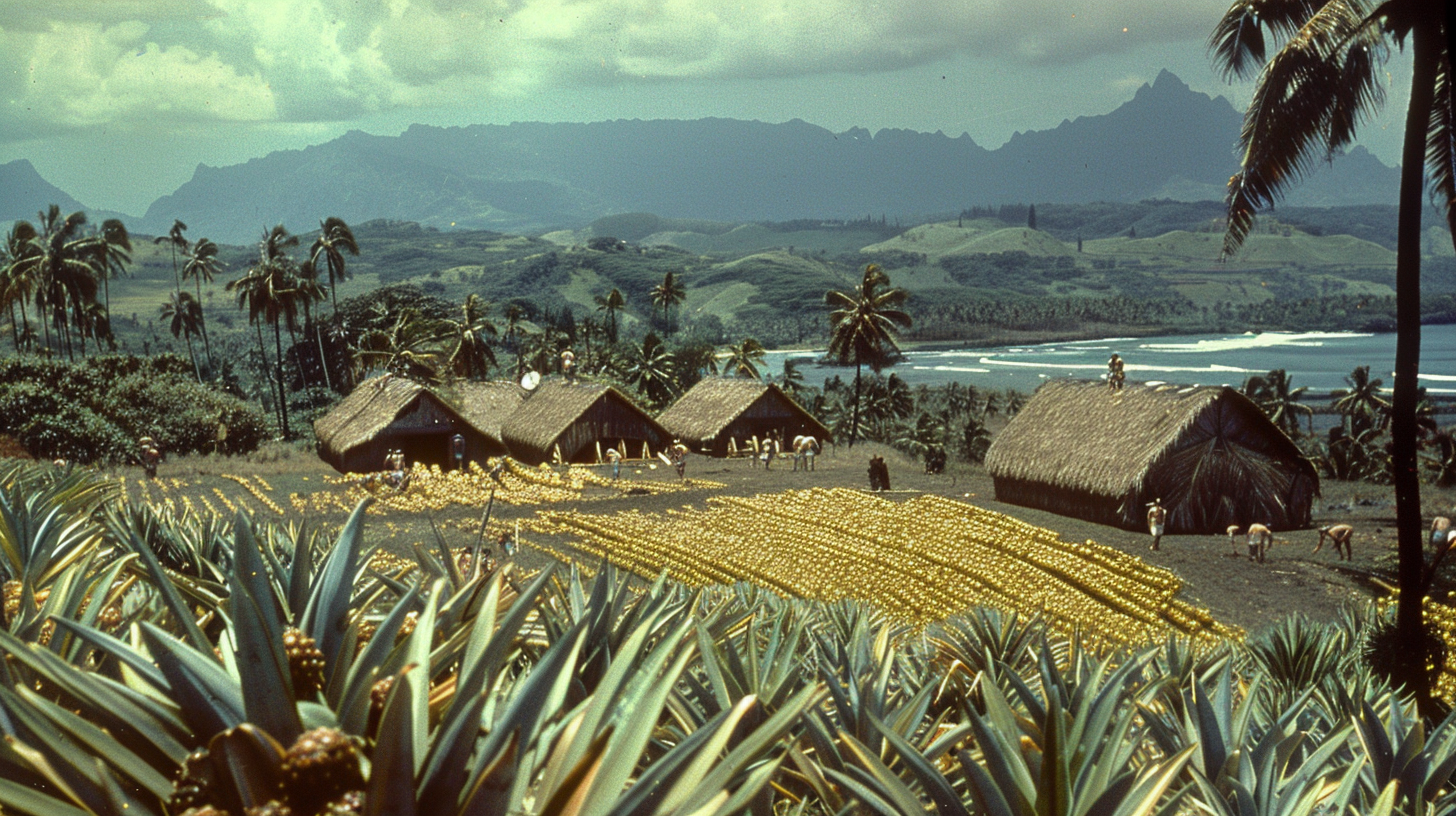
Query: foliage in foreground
x,y
441,688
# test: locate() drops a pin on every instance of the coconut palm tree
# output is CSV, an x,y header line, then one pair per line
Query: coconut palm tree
x,y
1279,402
666,295
744,359
472,356
114,250
178,243
202,266
184,316
335,239
649,369
268,292
1321,83
611,303
18,280
411,347
863,327
63,264
1362,405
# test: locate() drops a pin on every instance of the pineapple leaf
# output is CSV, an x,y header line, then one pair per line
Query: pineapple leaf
x,y
208,698
391,788
257,631
326,617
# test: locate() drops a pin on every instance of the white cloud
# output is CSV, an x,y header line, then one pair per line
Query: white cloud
x,y
319,60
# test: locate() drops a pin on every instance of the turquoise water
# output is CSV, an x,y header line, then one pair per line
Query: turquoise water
x,y
1317,360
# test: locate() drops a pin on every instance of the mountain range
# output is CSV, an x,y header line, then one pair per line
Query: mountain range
x,y
1167,142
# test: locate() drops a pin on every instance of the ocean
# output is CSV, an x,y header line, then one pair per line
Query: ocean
x,y
1319,361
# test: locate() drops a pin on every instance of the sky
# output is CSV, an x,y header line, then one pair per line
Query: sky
x,y
117,101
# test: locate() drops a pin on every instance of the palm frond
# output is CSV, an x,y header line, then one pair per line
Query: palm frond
x,y
1441,146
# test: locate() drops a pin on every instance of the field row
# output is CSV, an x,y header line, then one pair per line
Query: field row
x,y
920,560
429,489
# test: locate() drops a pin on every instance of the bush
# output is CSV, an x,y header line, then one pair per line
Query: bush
x,y
94,410
76,434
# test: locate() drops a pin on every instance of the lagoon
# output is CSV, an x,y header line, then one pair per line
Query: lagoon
x,y
1317,360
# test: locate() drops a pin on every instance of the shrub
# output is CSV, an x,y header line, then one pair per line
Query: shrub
x,y
75,433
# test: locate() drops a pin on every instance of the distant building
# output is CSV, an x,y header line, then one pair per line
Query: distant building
x,y
719,409
1209,453
576,419
387,413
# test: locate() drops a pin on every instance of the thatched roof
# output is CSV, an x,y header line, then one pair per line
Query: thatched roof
x,y
715,402
1080,436
368,410
552,408
487,405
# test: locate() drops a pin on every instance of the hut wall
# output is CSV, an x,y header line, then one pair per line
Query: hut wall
x,y
768,414
1228,468
610,423
423,432
1062,501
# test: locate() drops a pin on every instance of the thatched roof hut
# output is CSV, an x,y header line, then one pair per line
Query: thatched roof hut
x,y
1209,453
576,418
386,413
718,409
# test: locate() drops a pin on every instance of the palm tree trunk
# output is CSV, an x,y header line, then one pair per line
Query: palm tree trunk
x,y
318,335
854,421
1411,544
192,354
282,396
201,325
263,353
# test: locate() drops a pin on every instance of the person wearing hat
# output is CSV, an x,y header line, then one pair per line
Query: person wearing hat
x,y
679,458
1157,515
615,459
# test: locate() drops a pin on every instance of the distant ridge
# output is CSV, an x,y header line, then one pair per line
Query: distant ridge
x,y
23,192
1168,141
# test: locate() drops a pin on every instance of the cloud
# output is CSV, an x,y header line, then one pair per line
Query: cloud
x,y
90,62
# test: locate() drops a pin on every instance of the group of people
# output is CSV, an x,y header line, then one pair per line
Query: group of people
x,y
805,449
1258,537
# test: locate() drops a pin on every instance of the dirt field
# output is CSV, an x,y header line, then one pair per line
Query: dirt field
x,y
1292,581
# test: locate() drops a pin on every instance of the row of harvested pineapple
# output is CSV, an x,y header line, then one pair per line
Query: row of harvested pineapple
x,y
920,560
509,481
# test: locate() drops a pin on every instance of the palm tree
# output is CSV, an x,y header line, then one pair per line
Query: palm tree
x,y
268,293
409,348
472,356
1362,404
863,326
18,280
202,265
178,243
611,303
1271,392
185,315
649,369
666,295
745,358
1322,82
335,239
63,264
114,250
